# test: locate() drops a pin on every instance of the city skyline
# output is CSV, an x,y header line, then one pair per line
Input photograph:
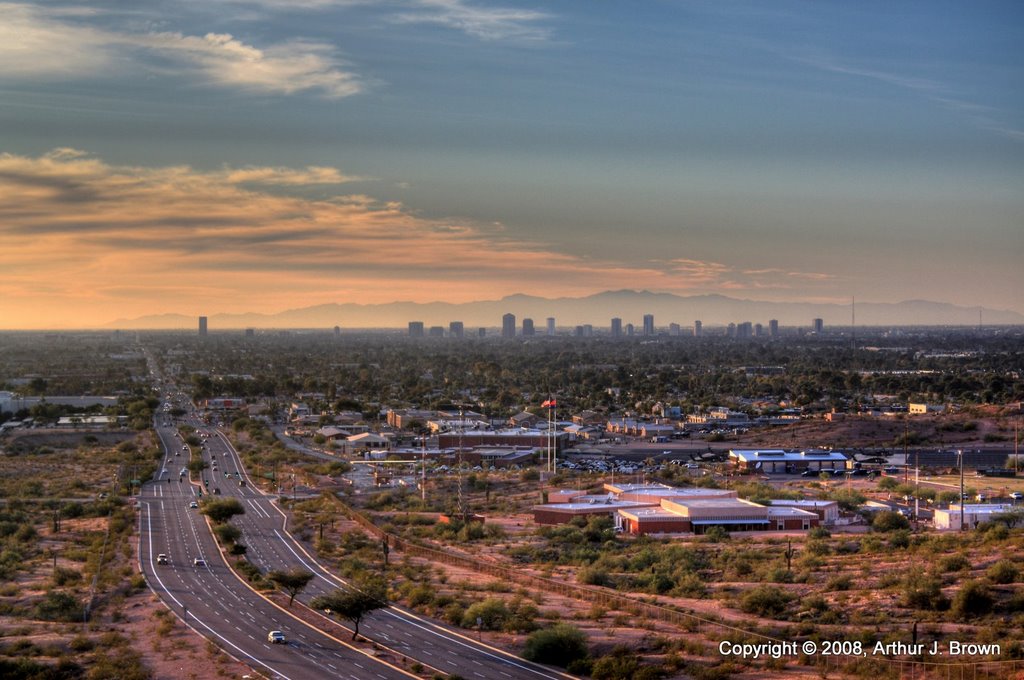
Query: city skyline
x,y
236,157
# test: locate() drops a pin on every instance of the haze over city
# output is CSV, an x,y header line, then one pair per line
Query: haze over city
x,y
200,158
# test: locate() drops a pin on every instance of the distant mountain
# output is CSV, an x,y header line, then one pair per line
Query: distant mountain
x,y
598,309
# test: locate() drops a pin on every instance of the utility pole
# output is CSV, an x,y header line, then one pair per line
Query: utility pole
x,y
960,454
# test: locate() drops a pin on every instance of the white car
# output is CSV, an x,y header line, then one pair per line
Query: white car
x,y
193,504
199,562
276,637
1017,495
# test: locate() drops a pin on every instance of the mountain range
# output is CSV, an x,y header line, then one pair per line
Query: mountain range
x,y
597,309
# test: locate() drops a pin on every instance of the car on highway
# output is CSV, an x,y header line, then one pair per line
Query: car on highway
x,y
193,504
162,559
1017,495
276,637
199,562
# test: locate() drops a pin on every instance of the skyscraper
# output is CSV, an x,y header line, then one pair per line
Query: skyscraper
x,y
616,327
202,325
456,329
648,324
508,326
773,328
673,330
818,326
551,325
527,328
415,329
698,329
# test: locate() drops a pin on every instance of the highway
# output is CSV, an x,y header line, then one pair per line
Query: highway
x,y
221,607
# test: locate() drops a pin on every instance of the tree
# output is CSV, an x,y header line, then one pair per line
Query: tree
x,y
887,520
223,509
291,582
354,604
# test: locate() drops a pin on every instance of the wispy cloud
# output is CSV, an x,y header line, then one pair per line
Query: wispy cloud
x,y
983,117
51,43
485,23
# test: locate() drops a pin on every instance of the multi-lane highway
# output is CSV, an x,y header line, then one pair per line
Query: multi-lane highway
x,y
218,605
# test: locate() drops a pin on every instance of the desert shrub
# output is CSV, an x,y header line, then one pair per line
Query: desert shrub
x,y
59,606
819,532
841,582
954,562
972,600
594,576
764,600
492,613
1003,571
62,576
922,591
559,645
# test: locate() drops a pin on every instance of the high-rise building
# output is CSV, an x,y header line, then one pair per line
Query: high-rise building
x,y
818,326
673,330
730,330
630,330
436,332
551,325
456,329
758,330
337,331
579,331
588,330
527,328
481,333
508,326
415,329
744,330
616,327
773,328
250,332
648,324
698,329
202,325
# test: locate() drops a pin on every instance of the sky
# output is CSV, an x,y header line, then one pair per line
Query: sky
x,y
205,156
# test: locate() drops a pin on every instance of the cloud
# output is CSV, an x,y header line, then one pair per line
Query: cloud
x,y
981,116
485,23
55,44
37,44
284,68
86,241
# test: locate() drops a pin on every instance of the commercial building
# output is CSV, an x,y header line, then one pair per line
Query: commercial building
x,y
436,332
512,437
456,329
528,328
698,329
616,328
827,511
818,326
781,461
773,328
508,326
673,516
973,515
551,325
648,324
415,329
202,325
